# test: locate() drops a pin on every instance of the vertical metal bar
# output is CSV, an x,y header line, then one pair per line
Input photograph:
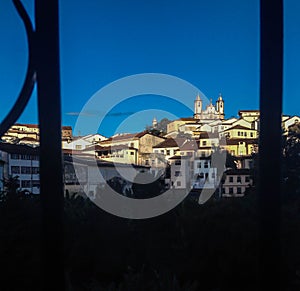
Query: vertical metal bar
x,y
48,85
271,70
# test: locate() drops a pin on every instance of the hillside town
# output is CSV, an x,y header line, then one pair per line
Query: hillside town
x,y
181,154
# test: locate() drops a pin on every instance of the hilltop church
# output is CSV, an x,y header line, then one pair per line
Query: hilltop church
x,y
201,118
211,112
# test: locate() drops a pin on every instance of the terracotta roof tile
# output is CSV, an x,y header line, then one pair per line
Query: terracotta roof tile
x,y
171,143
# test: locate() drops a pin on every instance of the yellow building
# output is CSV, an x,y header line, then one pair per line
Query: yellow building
x,y
143,142
241,147
249,115
174,126
27,132
240,132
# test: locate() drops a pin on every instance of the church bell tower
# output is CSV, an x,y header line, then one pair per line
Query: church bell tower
x,y
197,107
220,107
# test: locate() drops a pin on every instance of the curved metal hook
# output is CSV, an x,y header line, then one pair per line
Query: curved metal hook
x,y
28,84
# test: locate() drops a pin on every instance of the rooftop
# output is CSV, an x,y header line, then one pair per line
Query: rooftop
x,y
18,149
171,143
237,172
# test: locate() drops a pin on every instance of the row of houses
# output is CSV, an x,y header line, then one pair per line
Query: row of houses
x,y
185,155
185,173
81,172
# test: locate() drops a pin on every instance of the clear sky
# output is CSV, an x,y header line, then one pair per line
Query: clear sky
x,y
212,44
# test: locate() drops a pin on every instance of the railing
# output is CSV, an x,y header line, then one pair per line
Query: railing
x,y
271,70
43,69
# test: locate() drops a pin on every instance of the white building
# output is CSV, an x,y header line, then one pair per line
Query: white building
x,y
82,142
236,182
22,161
290,122
169,147
91,175
204,175
180,172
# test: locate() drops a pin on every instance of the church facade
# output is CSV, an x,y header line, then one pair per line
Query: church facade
x,y
211,112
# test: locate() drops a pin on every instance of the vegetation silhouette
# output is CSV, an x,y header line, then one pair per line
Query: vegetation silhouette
x,y
206,247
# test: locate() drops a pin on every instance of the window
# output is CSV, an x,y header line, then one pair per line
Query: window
x,y
131,153
245,133
239,179
230,179
162,151
239,133
147,162
247,179
36,183
168,152
206,176
230,190
206,164
25,157
204,143
179,183
25,170
239,190
251,134
177,173
178,162
26,184
35,170
132,145
15,169
201,175
78,147
14,156
213,175
223,190
199,165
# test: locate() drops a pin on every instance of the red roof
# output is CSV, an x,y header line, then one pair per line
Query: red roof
x,y
99,148
237,172
66,127
28,125
171,143
238,127
234,141
208,135
189,119
129,136
18,149
71,152
192,145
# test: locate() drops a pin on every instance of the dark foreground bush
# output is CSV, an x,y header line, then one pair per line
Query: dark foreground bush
x,y
208,247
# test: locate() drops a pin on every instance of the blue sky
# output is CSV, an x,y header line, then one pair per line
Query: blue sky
x,y
214,45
